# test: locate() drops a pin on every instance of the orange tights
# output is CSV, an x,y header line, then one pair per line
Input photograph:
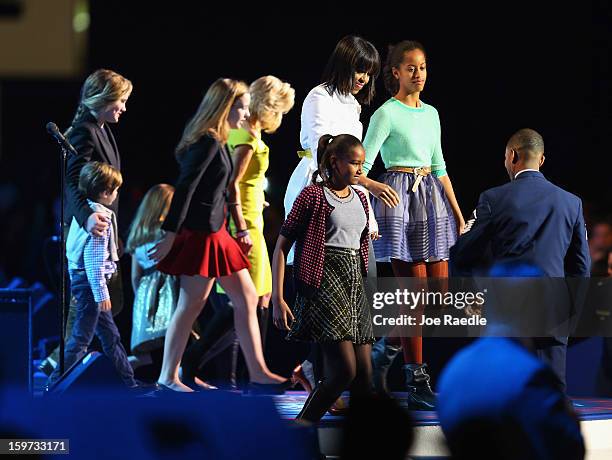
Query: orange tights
x,y
412,347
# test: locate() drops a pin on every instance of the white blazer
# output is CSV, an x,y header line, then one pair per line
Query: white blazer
x,y
323,113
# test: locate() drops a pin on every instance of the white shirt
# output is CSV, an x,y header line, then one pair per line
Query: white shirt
x,y
323,113
333,114
524,170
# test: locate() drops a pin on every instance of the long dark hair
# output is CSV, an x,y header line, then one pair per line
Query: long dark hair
x,y
329,146
395,56
352,54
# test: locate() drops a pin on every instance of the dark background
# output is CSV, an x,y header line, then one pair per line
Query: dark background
x,y
492,70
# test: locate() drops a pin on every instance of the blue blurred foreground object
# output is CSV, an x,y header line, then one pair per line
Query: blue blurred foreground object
x,y
105,425
497,400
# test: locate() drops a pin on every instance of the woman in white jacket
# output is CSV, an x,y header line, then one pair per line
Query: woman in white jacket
x,y
334,107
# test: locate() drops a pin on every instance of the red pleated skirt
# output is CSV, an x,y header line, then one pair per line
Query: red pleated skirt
x,y
202,253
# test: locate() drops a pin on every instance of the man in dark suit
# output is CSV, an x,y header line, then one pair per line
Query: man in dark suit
x,y
527,221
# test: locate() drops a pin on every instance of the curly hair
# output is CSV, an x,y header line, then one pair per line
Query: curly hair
x,y
270,99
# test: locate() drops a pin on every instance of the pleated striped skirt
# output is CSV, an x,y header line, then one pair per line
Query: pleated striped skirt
x,y
421,228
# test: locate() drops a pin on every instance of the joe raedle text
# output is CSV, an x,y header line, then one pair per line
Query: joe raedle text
x,y
445,320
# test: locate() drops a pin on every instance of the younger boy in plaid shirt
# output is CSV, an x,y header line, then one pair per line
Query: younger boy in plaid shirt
x,y
92,261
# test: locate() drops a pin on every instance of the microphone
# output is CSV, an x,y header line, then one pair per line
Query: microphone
x,y
59,137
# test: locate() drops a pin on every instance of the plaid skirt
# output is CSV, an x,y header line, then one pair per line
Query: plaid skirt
x,y
421,228
339,309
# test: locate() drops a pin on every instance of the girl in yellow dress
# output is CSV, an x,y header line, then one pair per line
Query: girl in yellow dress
x,y
267,101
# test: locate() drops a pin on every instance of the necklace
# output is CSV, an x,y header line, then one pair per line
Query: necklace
x,y
341,199
336,193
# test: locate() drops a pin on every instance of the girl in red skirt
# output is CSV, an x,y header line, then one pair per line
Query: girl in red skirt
x,y
197,247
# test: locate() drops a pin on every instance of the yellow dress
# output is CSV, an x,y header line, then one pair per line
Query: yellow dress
x,y
252,198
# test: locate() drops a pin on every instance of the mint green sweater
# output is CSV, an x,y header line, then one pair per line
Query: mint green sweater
x,y
405,136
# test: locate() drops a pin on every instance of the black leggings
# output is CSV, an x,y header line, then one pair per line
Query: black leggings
x,y
346,365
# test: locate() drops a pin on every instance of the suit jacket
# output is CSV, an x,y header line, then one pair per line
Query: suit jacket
x,y
199,201
528,220
92,144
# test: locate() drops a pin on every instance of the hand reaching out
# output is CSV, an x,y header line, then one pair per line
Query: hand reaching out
x,y
161,249
384,193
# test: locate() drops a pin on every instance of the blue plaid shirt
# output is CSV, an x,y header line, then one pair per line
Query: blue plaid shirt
x,y
93,254
98,264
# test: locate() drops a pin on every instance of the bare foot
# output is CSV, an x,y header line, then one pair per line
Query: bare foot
x,y
177,386
202,384
268,377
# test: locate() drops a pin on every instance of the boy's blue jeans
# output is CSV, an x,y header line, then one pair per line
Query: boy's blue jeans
x,y
89,320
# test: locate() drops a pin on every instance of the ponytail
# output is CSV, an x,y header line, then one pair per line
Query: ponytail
x,y
80,114
328,147
324,167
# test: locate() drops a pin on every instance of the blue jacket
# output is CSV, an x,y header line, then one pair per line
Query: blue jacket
x,y
528,220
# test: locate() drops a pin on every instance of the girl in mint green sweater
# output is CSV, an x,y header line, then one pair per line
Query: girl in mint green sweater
x,y
415,206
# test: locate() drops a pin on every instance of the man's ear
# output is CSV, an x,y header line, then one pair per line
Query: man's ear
x,y
542,160
515,157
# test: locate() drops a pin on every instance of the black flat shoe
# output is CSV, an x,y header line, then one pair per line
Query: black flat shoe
x,y
166,389
144,389
150,385
270,388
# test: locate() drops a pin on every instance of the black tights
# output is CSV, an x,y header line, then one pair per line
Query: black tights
x,y
346,364
262,318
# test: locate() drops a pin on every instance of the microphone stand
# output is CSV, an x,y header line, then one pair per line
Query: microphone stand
x,y
62,293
